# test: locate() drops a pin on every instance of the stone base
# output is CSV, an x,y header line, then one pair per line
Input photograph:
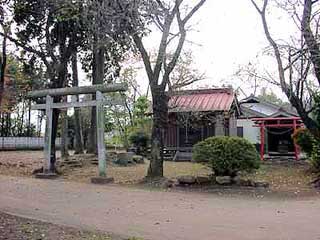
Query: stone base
x,y
46,175
224,180
101,180
186,180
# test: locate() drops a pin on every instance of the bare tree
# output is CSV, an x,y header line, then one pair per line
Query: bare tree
x,y
185,73
165,15
294,62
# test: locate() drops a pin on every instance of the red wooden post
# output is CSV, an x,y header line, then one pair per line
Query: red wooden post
x,y
262,141
296,151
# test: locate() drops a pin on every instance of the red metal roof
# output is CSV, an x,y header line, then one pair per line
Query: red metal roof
x,y
202,100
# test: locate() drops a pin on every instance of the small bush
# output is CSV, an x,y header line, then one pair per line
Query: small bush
x,y
304,139
140,140
227,155
314,159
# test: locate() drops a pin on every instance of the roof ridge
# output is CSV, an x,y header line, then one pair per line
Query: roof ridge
x,y
203,91
218,99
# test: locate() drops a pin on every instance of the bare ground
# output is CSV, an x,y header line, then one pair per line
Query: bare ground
x,y
229,213
287,180
19,228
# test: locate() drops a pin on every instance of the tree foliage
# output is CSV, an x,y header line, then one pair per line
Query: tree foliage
x,y
270,97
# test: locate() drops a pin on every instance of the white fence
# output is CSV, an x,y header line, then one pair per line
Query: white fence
x,y
25,143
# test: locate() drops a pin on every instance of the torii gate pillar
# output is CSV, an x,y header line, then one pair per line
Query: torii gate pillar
x,y
98,103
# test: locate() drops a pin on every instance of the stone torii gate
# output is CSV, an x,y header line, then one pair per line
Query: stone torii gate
x,y
98,103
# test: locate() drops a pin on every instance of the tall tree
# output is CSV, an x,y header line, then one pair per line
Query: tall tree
x,y
5,23
165,15
51,30
77,112
294,62
106,21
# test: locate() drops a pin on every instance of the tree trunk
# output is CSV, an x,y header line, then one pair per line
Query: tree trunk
x,y
77,112
64,135
2,124
3,66
21,127
8,124
97,78
311,40
78,132
29,134
160,120
92,138
57,83
55,120
40,116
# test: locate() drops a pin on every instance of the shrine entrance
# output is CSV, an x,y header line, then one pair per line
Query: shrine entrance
x,y
99,103
275,135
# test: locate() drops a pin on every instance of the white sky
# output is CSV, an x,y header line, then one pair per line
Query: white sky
x,y
226,34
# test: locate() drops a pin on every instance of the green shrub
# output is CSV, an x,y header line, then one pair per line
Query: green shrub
x,y
304,139
227,155
314,159
310,145
140,140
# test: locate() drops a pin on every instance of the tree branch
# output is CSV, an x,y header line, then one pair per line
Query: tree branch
x,y
177,52
145,57
193,11
311,42
163,43
294,99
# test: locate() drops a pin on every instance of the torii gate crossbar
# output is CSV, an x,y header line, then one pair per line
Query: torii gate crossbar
x,y
98,103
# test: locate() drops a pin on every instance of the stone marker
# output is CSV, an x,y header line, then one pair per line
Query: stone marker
x,y
124,159
138,159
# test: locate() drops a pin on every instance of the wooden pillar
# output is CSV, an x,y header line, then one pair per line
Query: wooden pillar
x,y
266,140
219,127
100,135
48,133
262,141
202,132
186,130
178,136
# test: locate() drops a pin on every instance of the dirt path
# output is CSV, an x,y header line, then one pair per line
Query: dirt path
x,y
160,215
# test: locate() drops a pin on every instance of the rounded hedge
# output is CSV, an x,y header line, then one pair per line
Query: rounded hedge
x,y
227,155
